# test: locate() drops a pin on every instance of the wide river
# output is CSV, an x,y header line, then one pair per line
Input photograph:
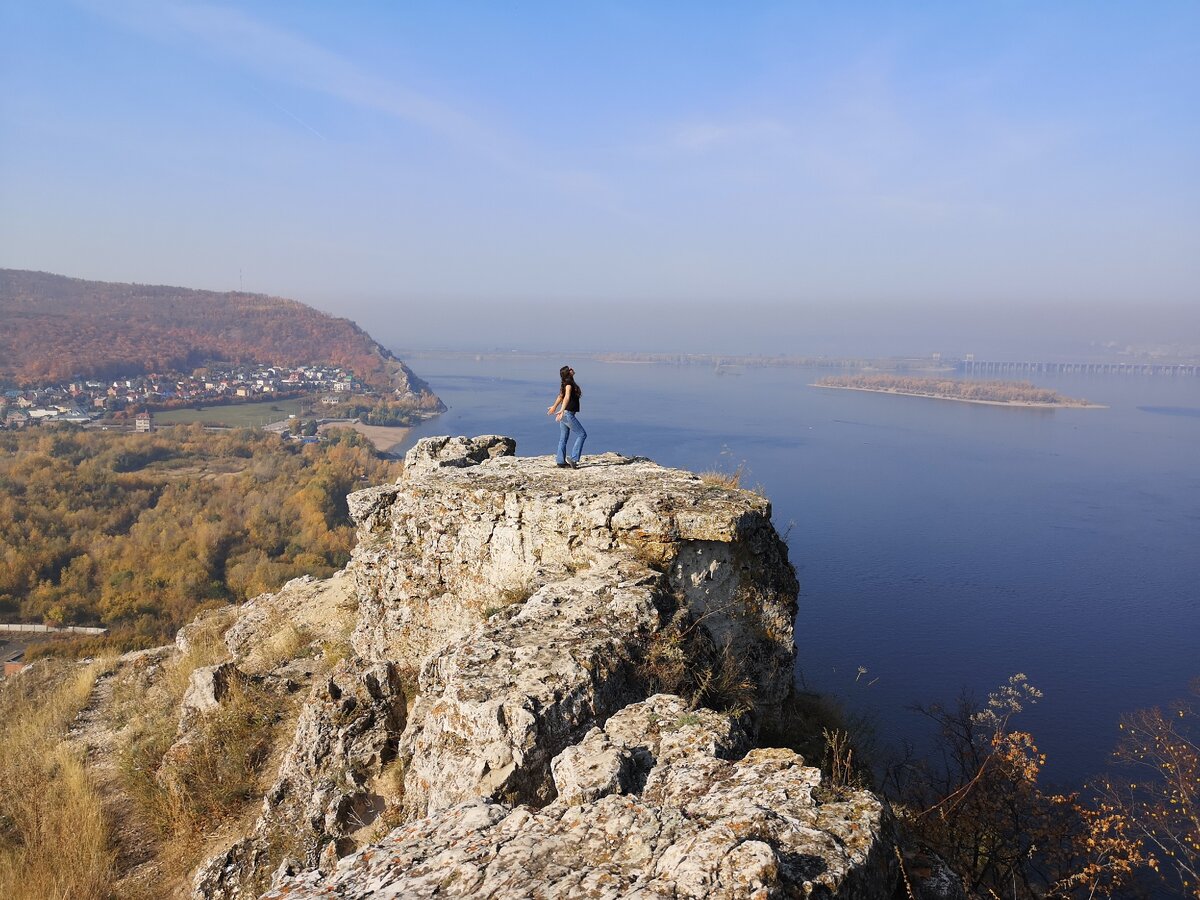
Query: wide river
x,y
940,546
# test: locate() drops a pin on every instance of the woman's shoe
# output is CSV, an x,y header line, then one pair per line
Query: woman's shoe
x,y
574,464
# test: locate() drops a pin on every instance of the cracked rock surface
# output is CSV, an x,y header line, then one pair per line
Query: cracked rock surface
x,y
699,826
515,625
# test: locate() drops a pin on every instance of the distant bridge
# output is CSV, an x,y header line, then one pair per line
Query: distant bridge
x,y
983,367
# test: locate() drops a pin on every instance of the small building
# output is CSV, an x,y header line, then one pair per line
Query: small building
x,y
13,657
16,418
144,421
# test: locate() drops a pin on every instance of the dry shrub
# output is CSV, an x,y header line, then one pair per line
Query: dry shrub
x,y
682,659
286,641
54,841
207,779
980,806
816,728
729,480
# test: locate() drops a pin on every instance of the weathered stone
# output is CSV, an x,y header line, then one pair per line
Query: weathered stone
x,y
272,627
441,547
207,687
703,827
657,731
346,734
456,452
496,706
928,877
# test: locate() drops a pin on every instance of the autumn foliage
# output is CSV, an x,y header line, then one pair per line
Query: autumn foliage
x,y
979,805
135,531
58,328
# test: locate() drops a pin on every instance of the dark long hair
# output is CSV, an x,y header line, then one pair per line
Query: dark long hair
x,y
567,378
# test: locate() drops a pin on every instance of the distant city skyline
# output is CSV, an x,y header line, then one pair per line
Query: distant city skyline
x,y
858,178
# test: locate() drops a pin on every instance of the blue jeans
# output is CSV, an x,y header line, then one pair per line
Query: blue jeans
x,y
568,423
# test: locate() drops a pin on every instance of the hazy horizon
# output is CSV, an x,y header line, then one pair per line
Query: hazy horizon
x,y
774,178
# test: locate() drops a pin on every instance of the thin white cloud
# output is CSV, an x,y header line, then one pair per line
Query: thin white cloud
x,y
287,58
700,136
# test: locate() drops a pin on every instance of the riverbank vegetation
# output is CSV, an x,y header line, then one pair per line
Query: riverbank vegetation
x,y
136,532
1017,393
977,803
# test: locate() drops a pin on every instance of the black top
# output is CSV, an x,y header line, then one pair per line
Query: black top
x,y
573,400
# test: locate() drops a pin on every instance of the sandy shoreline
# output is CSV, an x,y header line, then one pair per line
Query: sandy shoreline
x,y
384,437
1021,404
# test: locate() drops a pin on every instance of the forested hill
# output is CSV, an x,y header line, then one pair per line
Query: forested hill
x,y
55,328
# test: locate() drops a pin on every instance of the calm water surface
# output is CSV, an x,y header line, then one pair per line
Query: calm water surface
x,y
941,546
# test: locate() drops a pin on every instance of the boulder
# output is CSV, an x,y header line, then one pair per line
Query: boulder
x,y
207,687
495,707
456,452
701,827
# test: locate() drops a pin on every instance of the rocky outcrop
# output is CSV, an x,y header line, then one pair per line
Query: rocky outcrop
x,y
690,825
443,546
207,687
497,705
347,733
533,653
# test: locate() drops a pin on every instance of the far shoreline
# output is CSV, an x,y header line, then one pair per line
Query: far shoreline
x,y
1019,404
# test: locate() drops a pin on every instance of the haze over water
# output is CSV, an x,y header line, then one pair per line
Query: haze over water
x,y
939,545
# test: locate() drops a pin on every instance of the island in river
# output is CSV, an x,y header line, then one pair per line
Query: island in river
x,y
993,393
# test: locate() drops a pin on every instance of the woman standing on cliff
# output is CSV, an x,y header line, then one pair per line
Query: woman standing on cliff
x,y
567,404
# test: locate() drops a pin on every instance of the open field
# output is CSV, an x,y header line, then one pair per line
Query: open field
x,y
384,437
235,415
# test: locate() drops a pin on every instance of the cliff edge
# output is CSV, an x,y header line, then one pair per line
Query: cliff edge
x,y
551,683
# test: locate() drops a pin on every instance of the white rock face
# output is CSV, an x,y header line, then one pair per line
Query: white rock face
x,y
514,621
444,546
496,705
697,826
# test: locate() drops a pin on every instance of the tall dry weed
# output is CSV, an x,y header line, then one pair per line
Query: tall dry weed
x,y
54,841
682,659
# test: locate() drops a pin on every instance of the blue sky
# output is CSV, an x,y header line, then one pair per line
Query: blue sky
x,y
606,174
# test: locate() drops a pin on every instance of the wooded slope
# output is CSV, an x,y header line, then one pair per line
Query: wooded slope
x,y
55,328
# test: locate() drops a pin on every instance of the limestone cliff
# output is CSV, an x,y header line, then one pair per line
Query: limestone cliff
x,y
554,685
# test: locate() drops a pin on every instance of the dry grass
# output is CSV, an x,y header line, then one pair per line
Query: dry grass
x,y
182,793
512,595
816,728
285,642
682,659
204,782
389,785
207,780
730,480
54,841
